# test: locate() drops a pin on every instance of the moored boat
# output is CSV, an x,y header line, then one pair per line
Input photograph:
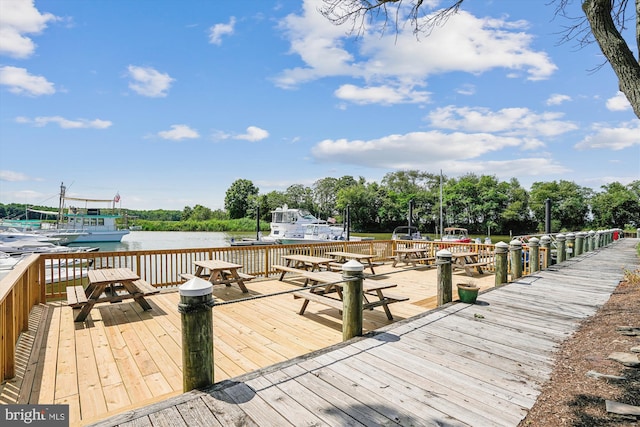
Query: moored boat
x,y
94,224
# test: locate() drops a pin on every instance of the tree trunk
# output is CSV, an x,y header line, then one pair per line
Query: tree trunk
x,y
614,47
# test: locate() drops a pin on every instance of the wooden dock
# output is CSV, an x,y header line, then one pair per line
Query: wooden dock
x,y
478,365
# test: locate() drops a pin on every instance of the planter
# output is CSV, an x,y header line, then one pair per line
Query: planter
x,y
468,293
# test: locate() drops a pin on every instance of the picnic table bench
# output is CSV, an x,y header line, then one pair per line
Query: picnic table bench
x,y
412,256
334,283
468,261
220,273
109,285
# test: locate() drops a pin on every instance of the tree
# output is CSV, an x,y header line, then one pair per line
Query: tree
x,y
236,200
605,20
616,206
569,204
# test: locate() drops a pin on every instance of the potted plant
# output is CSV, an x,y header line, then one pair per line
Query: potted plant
x,y
468,292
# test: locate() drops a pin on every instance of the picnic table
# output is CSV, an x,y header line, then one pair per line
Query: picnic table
x,y
297,263
412,256
331,294
109,285
364,259
220,273
468,261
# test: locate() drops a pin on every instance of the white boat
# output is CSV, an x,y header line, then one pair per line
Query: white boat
x,y
455,235
290,225
405,232
93,223
38,230
27,246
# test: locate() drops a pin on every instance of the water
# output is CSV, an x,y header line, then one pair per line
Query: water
x,y
153,240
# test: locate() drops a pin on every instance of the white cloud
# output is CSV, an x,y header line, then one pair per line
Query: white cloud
x,y
19,18
149,82
618,103
178,133
384,94
253,134
415,150
21,82
217,31
12,176
401,62
66,123
457,153
510,121
557,99
624,136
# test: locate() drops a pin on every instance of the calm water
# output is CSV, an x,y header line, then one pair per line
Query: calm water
x,y
151,240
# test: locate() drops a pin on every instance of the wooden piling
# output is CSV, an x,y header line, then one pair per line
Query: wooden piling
x,y
445,279
561,240
195,305
502,263
352,273
515,247
534,255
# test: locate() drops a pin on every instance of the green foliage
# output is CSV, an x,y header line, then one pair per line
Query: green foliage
x,y
237,197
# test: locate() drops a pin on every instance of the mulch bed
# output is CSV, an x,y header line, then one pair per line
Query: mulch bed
x,y
573,398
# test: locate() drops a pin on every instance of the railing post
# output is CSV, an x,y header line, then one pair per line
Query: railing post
x,y
562,252
579,243
445,280
592,243
502,264
196,300
638,233
571,245
598,241
352,273
585,243
534,255
515,246
545,242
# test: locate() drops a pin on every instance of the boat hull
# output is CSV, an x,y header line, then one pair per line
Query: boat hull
x,y
102,236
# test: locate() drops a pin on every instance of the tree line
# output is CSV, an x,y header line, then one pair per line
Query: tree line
x,y
481,203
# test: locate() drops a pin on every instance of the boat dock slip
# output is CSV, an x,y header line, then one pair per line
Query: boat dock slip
x,y
479,365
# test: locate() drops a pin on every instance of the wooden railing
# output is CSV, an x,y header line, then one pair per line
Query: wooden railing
x,y
30,282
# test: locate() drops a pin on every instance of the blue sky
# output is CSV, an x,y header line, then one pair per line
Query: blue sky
x,y
169,102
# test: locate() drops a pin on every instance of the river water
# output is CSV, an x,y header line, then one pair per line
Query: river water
x,y
152,240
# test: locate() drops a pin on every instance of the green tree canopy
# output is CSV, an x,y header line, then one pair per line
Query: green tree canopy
x,y
236,200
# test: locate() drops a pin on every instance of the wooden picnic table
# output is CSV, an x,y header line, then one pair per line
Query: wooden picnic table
x,y
468,261
116,284
296,263
334,283
220,273
412,256
364,259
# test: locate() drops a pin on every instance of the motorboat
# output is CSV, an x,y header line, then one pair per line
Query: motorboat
x,y
455,235
93,224
16,229
293,225
405,232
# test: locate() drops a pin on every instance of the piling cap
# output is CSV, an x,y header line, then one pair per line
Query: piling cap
x,y
443,253
195,287
352,265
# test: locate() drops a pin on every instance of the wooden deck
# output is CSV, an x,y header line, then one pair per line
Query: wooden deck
x,y
480,364
124,358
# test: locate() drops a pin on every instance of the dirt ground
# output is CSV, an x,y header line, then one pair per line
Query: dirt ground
x,y
571,397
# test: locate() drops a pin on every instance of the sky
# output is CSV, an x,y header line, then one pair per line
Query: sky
x,y
168,102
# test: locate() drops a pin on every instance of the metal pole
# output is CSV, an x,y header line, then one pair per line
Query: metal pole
x,y
547,216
